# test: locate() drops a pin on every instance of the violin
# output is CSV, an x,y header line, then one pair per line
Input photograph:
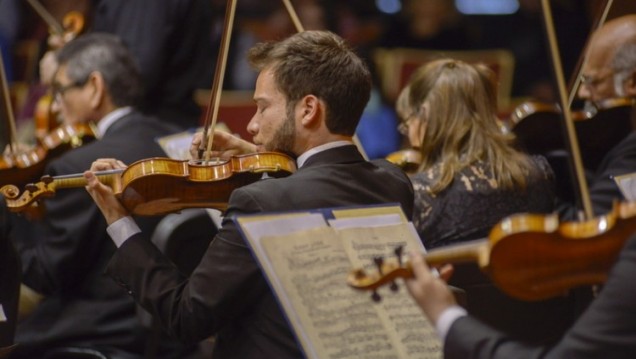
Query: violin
x,y
21,167
159,186
408,160
602,125
529,257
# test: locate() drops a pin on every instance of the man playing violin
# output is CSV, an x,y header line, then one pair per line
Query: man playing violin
x,y
310,93
63,256
607,328
609,72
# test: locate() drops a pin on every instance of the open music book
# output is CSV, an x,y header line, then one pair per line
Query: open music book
x,y
306,257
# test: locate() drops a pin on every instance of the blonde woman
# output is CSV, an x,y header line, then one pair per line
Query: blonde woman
x,y
471,176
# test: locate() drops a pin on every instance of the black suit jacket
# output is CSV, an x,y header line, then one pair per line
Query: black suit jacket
x,y
64,256
227,294
619,161
606,330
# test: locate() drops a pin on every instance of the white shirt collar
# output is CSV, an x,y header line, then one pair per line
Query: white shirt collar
x,y
300,161
104,124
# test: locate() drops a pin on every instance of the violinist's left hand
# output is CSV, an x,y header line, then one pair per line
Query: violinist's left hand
x,y
103,195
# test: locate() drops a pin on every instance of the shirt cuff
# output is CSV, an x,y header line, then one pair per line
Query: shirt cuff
x,y
446,320
122,229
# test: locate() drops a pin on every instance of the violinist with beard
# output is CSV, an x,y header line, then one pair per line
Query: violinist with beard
x,y
305,110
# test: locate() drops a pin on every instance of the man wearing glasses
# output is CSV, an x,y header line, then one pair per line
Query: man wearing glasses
x,y
63,257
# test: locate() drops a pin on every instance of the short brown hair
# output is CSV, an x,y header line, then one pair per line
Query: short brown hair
x,y
318,63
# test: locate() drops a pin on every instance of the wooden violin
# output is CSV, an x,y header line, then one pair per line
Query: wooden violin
x,y
159,186
19,166
22,167
408,160
601,125
529,257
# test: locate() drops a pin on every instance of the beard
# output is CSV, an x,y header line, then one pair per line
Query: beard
x,y
285,136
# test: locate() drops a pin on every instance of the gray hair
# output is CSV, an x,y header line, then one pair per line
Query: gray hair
x,y
107,55
623,64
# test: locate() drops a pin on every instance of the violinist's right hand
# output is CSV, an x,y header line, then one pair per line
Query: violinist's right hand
x,y
103,195
225,145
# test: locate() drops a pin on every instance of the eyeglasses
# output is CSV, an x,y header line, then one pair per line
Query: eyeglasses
x,y
591,81
403,126
58,91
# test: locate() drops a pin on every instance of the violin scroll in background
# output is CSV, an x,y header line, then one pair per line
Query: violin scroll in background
x,y
529,257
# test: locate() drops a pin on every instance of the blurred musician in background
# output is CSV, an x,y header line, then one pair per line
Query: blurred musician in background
x,y
63,256
470,178
609,72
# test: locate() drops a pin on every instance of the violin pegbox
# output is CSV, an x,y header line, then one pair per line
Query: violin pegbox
x,y
387,272
33,192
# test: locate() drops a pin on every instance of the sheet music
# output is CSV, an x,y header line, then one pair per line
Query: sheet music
x,y
307,262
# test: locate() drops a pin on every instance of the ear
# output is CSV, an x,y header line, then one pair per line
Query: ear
x,y
630,85
310,110
97,89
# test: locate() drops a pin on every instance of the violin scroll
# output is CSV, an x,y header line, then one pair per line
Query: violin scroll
x,y
387,273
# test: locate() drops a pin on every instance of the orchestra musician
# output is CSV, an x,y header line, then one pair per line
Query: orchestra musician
x,y
470,178
610,72
605,330
63,256
170,42
607,327
304,109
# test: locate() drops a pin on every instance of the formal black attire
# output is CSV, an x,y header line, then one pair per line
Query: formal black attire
x,y
468,209
227,295
619,160
606,330
9,282
64,256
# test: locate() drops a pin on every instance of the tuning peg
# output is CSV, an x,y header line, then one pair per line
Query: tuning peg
x,y
375,296
378,262
31,187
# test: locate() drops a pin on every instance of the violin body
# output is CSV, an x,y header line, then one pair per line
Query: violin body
x,y
162,185
22,167
538,128
158,186
530,257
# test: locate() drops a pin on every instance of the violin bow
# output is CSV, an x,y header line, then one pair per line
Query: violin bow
x,y
212,111
46,16
575,153
7,110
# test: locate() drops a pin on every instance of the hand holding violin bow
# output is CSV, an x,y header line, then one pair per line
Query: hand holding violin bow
x,y
225,145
